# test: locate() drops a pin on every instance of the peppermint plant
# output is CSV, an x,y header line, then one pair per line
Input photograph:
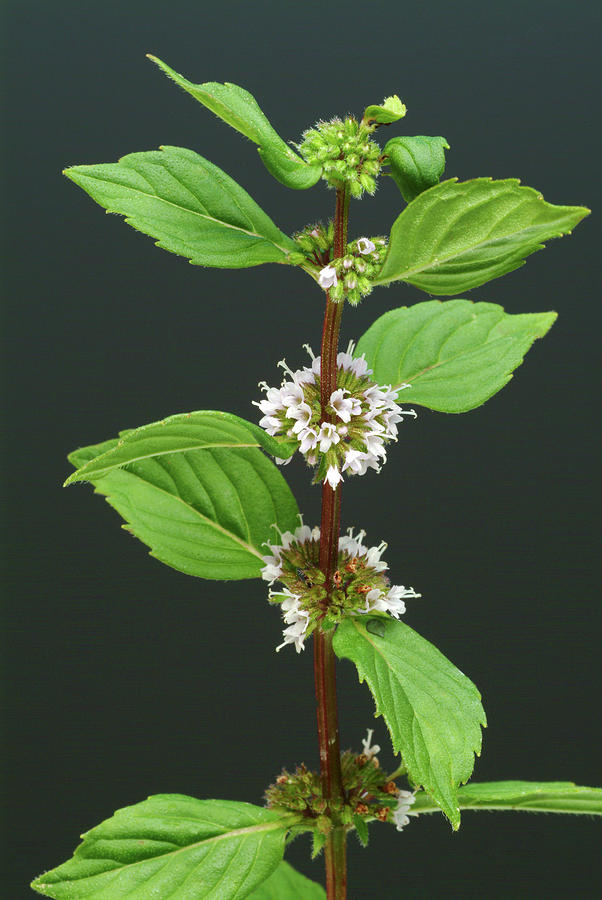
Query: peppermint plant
x,y
205,491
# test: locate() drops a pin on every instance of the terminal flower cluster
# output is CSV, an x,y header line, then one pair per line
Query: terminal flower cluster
x,y
351,276
360,585
361,417
347,155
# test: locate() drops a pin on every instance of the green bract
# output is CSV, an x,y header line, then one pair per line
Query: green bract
x,y
239,109
454,355
432,710
458,235
417,163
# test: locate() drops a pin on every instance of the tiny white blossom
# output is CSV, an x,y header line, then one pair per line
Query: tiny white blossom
x,y
365,246
369,750
309,440
400,814
327,277
333,477
328,436
343,406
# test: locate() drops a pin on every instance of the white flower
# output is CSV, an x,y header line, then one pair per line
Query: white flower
x,y
270,424
344,407
365,246
309,440
400,814
272,569
333,477
291,394
355,461
327,277
328,436
368,750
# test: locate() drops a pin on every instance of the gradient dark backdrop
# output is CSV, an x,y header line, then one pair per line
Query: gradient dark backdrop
x,y
127,678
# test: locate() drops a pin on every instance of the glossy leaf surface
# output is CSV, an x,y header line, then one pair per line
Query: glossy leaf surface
x,y
203,512
417,163
172,846
454,354
432,710
238,108
288,884
523,796
200,430
458,235
188,205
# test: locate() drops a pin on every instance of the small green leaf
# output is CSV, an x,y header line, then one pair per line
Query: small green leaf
x,y
189,206
288,884
200,430
455,354
173,846
417,163
456,236
239,109
523,796
205,512
432,710
390,110
318,841
361,827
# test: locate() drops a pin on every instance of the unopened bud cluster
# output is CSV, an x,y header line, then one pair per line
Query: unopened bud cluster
x,y
359,583
369,793
349,158
361,417
316,241
351,276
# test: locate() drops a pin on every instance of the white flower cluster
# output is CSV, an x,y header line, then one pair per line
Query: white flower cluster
x,y
364,414
400,814
360,586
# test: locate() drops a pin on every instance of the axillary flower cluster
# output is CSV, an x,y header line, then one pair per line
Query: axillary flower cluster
x,y
362,417
360,585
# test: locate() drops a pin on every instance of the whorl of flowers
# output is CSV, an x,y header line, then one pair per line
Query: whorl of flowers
x,y
347,155
359,583
351,275
363,417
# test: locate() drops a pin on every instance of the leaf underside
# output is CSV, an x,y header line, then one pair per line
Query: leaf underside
x,y
172,846
522,796
454,354
432,710
203,512
238,108
459,235
190,206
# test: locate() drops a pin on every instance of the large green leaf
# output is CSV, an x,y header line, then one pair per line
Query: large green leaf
x,y
456,236
287,884
190,207
240,109
523,796
454,354
203,512
417,163
172,846
200,430
432,710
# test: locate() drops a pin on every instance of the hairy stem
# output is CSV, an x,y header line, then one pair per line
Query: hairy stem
x,y
324,659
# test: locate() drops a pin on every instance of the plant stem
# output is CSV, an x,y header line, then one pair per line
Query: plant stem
x,y
324,659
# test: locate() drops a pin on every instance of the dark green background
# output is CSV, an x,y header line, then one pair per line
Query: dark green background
x,y
126,678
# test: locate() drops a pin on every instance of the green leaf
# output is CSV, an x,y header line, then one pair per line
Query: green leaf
x,y
200,430
455,354
432,710
390,110
361,827
456,236
417,163
523,796
172,846
288,884
203,512
188,205
239,109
